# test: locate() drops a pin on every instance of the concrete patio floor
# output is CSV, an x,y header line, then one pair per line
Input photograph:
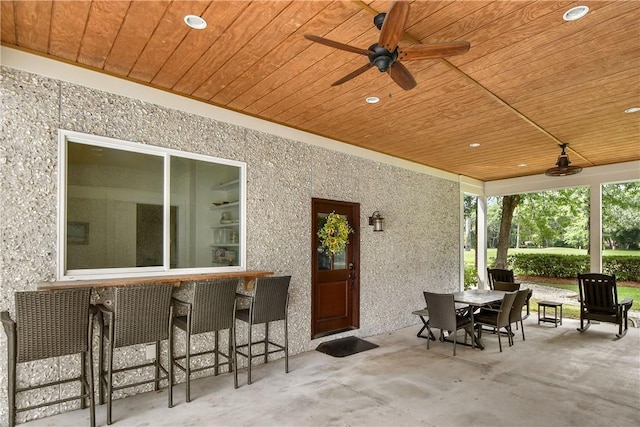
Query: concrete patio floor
x,y
557,377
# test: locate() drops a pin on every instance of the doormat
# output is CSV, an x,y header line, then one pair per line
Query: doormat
x,y
343,347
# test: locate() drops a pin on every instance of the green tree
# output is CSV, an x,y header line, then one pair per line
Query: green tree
x,y
470,222
509,204
621,215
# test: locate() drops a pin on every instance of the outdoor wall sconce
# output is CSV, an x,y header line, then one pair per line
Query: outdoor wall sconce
x,y
377,221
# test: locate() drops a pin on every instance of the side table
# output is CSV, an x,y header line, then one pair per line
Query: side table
x,y
547,319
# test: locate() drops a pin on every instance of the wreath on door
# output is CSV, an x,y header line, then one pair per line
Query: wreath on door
x,y
334,234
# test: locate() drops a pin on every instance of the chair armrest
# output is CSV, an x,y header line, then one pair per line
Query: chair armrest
x,y
8,324
627,302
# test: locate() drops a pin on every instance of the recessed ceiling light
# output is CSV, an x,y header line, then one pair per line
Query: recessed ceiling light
x,y
575,13
372,100
632,110
195,22
521,165
474,144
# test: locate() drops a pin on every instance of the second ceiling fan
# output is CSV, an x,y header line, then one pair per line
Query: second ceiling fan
x,y
386,54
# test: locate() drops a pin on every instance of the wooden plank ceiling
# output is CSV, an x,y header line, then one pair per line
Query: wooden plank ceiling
x,y
529,81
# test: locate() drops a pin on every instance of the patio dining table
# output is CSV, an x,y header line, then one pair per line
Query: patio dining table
x,y
476,298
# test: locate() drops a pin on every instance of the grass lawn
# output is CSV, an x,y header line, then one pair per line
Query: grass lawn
x,y
568,311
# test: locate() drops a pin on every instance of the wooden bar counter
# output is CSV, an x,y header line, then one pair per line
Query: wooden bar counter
x,y
248,276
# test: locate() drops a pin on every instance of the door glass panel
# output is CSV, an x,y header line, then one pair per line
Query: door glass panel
x,y
340,260
325,260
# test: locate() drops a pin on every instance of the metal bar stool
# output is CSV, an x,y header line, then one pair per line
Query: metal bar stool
x,y
212,310
140,315
269,303
50,324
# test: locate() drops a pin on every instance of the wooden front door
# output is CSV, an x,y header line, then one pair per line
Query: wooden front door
x,y
335,297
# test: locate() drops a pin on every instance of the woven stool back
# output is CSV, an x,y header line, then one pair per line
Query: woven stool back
x,y
270,301
51,323
213,305
141,314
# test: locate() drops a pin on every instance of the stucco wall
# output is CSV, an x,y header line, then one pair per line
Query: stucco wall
x,y
419,249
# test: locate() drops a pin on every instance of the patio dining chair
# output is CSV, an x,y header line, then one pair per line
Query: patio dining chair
x,y
515,315
503,280
497,318
506,286
499,275
599,302
444,316
49,324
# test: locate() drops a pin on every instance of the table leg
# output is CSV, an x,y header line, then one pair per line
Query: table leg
x,y
424,326
478,341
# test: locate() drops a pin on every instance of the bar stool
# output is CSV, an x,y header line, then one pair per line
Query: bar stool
x,y
269,303
50,324
140,315
212,310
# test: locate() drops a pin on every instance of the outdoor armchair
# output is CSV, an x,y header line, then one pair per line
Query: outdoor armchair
x,y
599,302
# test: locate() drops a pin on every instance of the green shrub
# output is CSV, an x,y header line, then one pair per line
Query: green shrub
x,y
626,268
470,277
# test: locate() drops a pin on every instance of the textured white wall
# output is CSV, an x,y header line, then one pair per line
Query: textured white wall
x,y
419,249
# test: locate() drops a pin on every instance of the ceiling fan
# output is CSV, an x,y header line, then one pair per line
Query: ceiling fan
x,y
386,54
563,165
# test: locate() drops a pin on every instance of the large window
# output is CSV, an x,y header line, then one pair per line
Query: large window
x,y
131,209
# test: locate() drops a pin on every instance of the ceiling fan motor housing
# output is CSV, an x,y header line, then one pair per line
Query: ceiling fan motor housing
x,y
382,58
378,20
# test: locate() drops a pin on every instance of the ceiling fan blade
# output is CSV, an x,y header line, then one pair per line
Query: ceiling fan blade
x,y
429,51
353,74
393,25
337,45
402,76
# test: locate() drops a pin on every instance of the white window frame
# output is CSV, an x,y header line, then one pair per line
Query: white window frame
x,y
66,136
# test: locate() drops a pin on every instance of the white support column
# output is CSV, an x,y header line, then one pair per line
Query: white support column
x,y
461,240
595,228
481,241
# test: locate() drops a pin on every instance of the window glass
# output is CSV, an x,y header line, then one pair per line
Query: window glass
x,y
114,208
132,208
206,196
